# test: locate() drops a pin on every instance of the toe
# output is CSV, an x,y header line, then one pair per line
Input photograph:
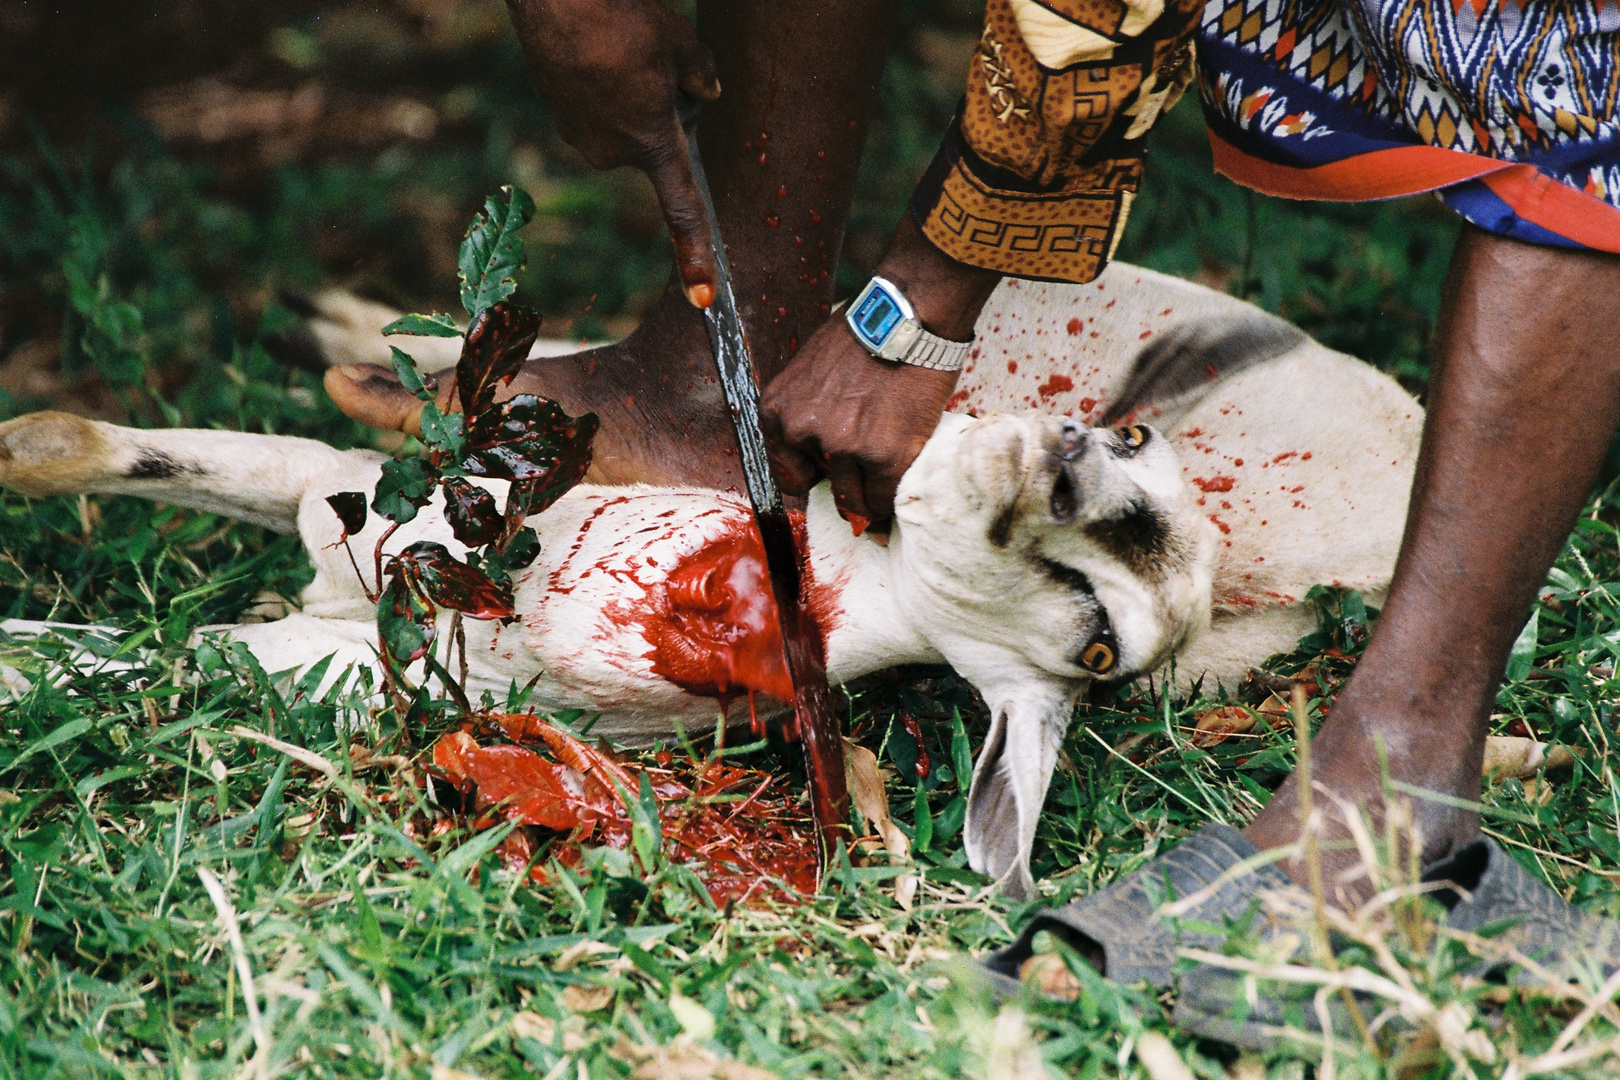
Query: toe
x,y
373,396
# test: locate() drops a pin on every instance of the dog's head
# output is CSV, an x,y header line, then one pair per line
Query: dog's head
x,y
1037,554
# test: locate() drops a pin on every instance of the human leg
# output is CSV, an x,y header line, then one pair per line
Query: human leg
x,y
1523,402
781,146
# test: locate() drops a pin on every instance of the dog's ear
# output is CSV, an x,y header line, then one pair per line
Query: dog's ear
x,y
1031,711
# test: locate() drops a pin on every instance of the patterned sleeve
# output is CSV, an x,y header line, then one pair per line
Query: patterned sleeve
x,y
1037,172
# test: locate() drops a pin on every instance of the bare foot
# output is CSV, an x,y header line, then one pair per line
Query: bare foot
x,y
664,420
1348,778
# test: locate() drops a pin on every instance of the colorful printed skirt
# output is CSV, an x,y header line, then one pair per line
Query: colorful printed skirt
x,y
1508,112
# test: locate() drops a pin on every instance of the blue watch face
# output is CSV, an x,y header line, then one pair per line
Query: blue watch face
x,y
875,318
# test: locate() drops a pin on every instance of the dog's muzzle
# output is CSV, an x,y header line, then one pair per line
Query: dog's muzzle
x,y
1073,445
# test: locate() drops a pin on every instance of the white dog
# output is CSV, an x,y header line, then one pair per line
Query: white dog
x,y
1031,552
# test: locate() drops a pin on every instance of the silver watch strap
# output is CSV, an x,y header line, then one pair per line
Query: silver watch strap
x,y
937,353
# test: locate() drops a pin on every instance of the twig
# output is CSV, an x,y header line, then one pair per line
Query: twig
x,y
244,970
297,753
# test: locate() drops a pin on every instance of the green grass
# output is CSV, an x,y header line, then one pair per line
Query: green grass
x,y
383,940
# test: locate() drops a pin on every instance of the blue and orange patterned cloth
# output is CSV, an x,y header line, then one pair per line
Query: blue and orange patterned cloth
x,y
1507,109
1508,112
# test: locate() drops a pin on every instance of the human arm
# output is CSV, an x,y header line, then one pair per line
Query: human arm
x,y
611,71
1033,179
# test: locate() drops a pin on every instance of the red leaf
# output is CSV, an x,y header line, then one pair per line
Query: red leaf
x,y
471,511
525,785
498,342
528,438
350,507
762,848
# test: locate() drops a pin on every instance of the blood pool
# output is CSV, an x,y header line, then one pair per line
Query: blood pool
x,y
712,623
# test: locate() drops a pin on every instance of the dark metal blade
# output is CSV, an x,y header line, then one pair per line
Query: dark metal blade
x,y
817,723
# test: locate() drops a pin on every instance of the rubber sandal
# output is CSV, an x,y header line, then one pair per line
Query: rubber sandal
x,y
1122,924
1259,1014
1490,894
1498,898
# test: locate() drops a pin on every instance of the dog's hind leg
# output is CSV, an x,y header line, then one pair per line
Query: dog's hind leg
x,y
255,478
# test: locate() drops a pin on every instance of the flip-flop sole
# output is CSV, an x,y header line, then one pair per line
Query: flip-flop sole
x,y
1123,924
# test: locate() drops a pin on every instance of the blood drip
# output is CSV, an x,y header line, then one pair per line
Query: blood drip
x,y
914,729
713,624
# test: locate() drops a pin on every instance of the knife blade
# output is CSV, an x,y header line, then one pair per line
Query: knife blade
x,y
817,723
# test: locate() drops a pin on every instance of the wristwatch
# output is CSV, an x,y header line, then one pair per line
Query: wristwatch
x,y
882,320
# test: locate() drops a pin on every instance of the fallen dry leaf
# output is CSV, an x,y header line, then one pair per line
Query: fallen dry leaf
x,y
1277,713
543,1029
570,957
1215,725
684,1061
1160,1058
1513,757
583,998
871,798
1051,975
1012,1053
445,1072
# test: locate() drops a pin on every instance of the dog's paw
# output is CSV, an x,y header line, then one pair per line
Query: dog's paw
x,y
51,453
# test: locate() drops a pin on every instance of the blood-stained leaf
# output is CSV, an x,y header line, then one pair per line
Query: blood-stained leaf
x,y
572,463
532,442
424,326
763,847
405,620
404,488
525,785
1216,725
451,583
492,254
350,507
474,518
498,341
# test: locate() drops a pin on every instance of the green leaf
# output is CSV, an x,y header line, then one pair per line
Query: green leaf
x,y
405,621
423,326
961,751
950,819
405,487
922,821
409,376
492,253
70,730
1523,656
443,433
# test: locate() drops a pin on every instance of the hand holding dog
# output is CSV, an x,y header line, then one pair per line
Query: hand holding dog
x,y
837,411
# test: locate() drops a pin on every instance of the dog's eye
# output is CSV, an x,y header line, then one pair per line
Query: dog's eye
x,y
1099,658
1131,436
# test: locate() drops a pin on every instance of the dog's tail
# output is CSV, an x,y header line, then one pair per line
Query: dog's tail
x,y
257,478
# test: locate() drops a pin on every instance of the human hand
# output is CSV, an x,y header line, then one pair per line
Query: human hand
x,y
611,70
839,412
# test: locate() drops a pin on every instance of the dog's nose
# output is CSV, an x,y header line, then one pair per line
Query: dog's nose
x,y
1076,437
